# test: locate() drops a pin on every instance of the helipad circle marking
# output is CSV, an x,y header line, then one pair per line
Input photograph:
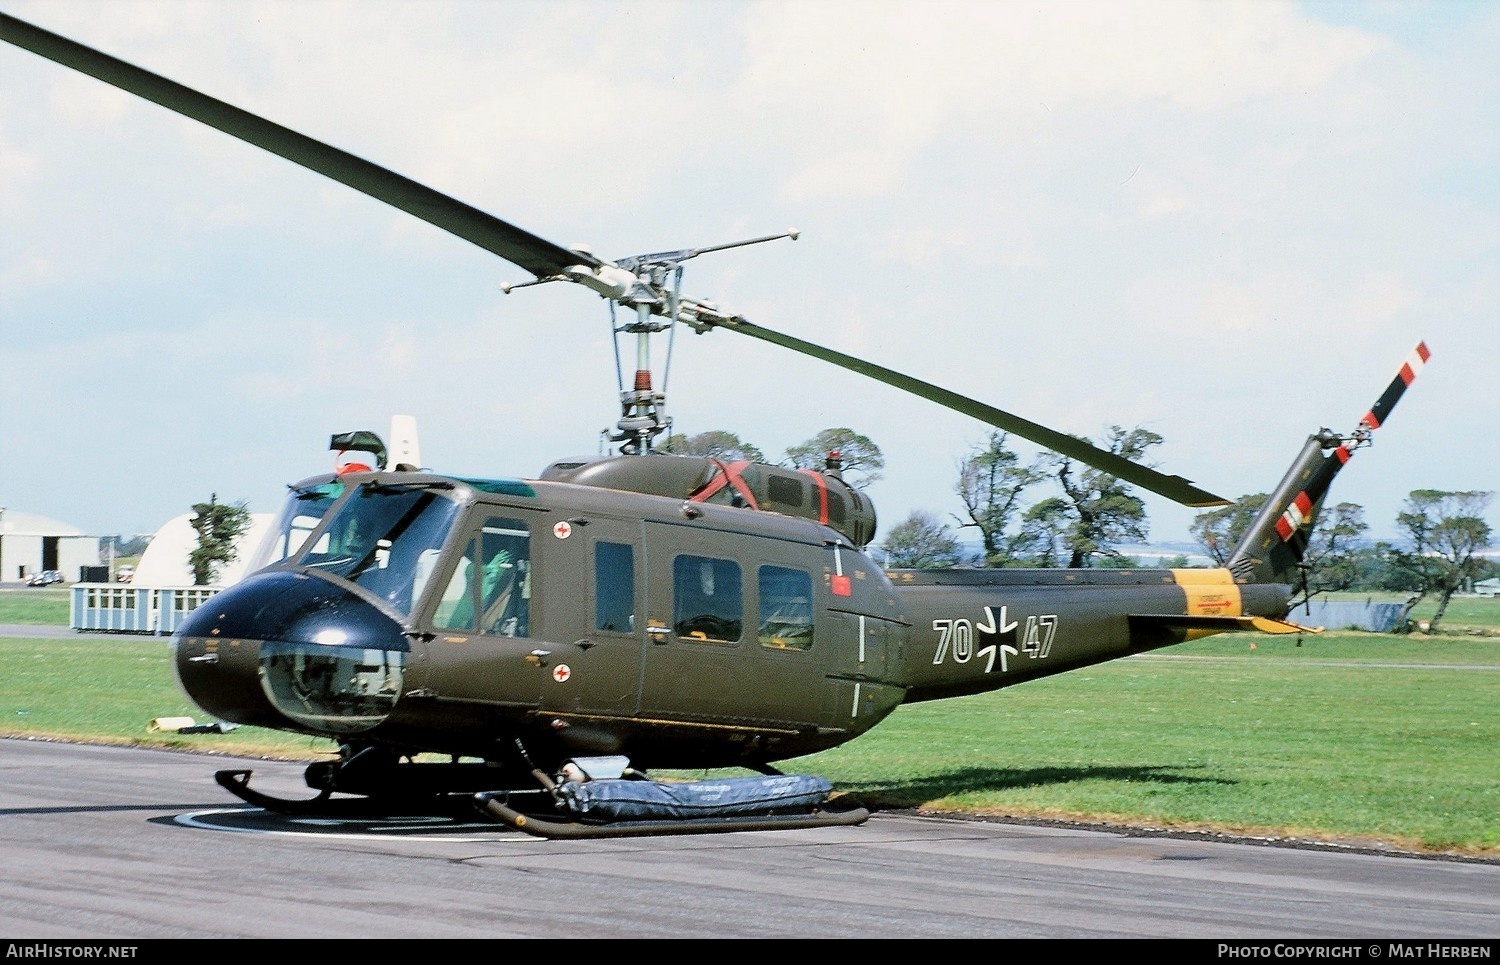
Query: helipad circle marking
x,y
198,820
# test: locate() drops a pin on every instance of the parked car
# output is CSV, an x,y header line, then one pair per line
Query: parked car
x,y
45,578
125,574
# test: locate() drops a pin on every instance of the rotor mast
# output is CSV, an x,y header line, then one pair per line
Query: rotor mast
x,y
639,284
643,409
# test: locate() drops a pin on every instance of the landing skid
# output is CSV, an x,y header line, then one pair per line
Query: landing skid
x,y
505,808
325,805
494,804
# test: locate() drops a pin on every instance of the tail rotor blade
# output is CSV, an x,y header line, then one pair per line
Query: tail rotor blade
x,y
1381,410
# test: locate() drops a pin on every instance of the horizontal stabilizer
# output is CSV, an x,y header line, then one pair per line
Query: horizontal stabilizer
x,y
1216,624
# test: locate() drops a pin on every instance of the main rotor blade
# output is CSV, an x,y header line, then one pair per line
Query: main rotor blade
x,y
537,255
1175,488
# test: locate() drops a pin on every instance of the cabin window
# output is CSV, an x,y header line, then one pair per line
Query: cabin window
x,y
495,571
708,601
614,587
453,611
786,610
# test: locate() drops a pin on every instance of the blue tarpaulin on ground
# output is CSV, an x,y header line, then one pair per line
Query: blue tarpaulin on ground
x,y
625,799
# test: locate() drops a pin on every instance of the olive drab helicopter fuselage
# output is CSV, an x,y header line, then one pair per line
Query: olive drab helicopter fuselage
x,y
533,647
675,631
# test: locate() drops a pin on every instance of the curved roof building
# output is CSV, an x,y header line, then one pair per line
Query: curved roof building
x,y
165,562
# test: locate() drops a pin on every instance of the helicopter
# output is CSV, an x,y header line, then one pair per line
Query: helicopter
x,y
532,648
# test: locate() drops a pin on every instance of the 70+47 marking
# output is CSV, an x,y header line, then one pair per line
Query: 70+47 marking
x,y
956,638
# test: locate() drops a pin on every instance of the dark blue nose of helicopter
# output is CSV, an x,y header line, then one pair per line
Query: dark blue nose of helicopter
x,y
288,650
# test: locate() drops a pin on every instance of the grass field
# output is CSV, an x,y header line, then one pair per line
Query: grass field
x,y
1351,737
38,606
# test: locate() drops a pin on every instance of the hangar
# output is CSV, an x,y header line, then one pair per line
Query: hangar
x,y
30,543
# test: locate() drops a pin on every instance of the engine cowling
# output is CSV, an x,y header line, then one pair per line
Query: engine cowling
x,y
823,495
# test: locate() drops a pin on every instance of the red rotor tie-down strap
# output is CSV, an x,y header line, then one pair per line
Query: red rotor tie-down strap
x,y
728,475
822,487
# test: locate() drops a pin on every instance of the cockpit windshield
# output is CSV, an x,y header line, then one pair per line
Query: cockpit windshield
x,y
386,539
299,516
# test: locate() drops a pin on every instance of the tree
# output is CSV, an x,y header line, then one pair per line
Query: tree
x,y
714,444
920,542
1332,557
125,545
857,454
219,525
1446,531
1043,531
1385,567
1097,510
1219,531
990,483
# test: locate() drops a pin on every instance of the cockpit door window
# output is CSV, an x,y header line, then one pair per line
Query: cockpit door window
x,y
489,590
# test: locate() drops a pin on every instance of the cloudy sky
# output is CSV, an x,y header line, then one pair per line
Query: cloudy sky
x,y
1227,222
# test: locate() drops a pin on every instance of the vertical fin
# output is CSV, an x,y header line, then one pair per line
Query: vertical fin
x,y
1276,542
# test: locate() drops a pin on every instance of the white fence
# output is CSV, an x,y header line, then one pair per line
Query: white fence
x,y
123,608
